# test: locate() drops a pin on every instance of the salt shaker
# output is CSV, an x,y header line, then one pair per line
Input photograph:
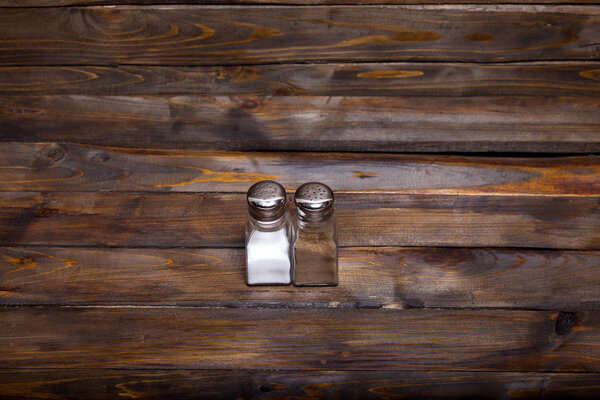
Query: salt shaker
x,y
268,235
315,236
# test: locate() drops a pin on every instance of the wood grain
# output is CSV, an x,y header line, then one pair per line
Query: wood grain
x,y
343,79
72,167
217,220
419,340
122,198
409,124
219,35
59,3
384,277
300,385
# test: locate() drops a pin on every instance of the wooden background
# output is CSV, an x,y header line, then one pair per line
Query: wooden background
x,y
460,138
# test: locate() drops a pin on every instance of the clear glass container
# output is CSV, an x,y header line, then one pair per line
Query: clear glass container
x,y
268,236
315,237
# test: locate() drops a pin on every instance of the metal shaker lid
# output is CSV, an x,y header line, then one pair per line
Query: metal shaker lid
x,y
266,201
314,201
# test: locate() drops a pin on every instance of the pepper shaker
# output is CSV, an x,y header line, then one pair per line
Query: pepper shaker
x,y
268,235
315,236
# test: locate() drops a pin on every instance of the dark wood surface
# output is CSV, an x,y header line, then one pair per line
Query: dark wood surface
x,y
302,385
370,277
217,35
462,143
398,79
411,124
58,3
280,338
217,219
68,167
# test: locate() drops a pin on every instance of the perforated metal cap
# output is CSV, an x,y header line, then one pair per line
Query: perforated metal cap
x,y
314,201
266,201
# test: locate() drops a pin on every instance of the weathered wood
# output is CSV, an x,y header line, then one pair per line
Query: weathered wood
x,y
210,219
72,167
419,340
218,35
360,79
302,385
434,124
137,81
368,278
57,3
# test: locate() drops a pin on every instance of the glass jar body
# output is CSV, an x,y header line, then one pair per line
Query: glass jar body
x,y
268,251
315,252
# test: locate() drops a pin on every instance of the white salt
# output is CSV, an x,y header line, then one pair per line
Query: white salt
x,y
268,258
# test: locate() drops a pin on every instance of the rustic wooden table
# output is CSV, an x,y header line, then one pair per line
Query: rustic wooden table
x,y
459,139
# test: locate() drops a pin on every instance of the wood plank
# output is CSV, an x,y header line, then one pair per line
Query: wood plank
x,y
360,79
219,35
321,123
419,340
224,384
217,220
72,167
384,277
59,3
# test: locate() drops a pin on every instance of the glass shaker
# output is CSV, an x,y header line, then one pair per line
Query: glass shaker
x,y
268,235
315,236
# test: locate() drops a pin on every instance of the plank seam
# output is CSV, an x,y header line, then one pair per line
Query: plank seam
x,y
402,246
323,62
5,370
394,193
314,62
283,4
496,372
281,305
